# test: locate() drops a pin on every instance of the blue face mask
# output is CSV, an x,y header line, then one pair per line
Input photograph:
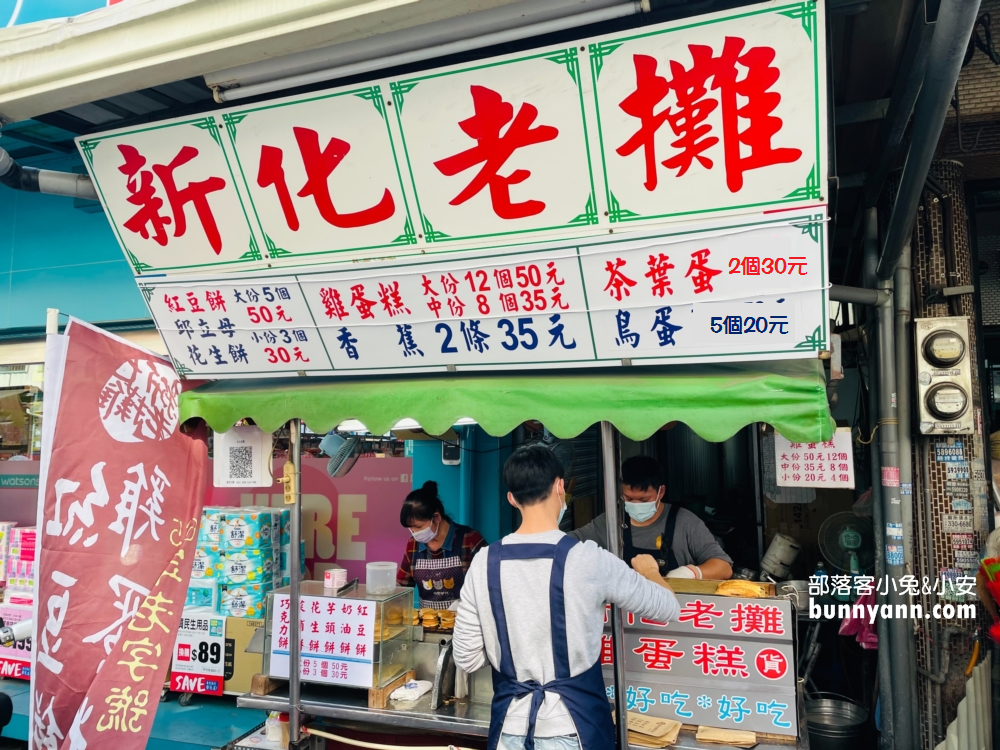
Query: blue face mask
x,y
562,513
641,512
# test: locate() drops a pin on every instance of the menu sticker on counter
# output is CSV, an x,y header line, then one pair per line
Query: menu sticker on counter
x,y
337,644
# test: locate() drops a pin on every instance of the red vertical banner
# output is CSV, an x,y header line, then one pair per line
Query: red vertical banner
x,y
121,490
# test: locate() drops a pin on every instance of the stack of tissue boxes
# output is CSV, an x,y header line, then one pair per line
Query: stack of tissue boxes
x,y
19,564
242,554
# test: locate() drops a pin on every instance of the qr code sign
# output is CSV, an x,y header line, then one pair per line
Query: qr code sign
x,y
241,461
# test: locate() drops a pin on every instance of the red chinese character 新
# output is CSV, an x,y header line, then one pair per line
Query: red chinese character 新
x,y
319,165
149,205
688,118
492,150
657,653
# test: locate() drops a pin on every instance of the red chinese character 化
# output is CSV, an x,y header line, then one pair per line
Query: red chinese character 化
x,y
492,150
618,282
657,653
659,265
319,165
703,275
699,614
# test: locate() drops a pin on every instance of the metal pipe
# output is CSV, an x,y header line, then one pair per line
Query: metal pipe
x,y
467,440
610,469
902,297
33,180
857,296
295,577
870,263
933,719
427,53
888,433
951,38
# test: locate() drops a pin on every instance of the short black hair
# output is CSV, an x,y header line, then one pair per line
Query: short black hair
x,y
421,505
641,473
530,473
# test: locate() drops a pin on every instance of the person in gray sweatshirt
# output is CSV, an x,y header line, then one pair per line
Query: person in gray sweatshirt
x,y
533,607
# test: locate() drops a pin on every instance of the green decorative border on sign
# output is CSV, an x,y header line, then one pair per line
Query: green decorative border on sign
x,y
369,93
804,11
209,125
569,58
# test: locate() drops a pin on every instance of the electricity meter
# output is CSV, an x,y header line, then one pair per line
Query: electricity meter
x,y
947,402
944,376
944,349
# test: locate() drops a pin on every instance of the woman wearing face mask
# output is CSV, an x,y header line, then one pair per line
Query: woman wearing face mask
x,y
439,552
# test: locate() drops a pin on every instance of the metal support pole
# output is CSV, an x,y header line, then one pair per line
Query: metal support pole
x,y
888,433
875,461
903,333
610,470
947,49
295,576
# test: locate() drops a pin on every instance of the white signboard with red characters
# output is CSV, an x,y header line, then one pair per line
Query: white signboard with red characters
x,y
726,662
829,464
337,642
718,115
729,290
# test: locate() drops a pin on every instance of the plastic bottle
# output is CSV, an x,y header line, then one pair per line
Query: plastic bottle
x,y
273,727
822,580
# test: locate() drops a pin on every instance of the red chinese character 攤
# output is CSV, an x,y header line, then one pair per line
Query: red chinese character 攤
x,y
319,164
742,96
492,150
618,282
703,275
757,618
699,614
144,196
657,653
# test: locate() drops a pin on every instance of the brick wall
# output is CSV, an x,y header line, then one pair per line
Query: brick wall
x,y
979,83
989,252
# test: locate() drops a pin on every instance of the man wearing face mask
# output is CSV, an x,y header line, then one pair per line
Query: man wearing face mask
x,y
675,537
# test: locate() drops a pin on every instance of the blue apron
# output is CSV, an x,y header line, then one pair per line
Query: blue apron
x,y
584,695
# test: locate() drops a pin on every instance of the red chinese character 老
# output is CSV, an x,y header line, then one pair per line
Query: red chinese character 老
x,y
319,164
743,81
657,653
699,614
144,196
492,150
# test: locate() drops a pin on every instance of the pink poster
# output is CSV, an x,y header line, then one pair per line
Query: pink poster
x,y
347,521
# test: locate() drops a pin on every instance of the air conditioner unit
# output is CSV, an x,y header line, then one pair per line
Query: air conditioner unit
x,y
944,376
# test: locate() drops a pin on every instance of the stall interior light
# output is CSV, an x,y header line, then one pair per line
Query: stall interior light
x,y
353,425
500,25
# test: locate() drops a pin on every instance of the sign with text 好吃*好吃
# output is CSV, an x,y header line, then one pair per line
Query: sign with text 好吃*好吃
x,y
636,179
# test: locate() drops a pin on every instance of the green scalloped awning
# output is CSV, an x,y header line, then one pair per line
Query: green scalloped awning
x,y
715,401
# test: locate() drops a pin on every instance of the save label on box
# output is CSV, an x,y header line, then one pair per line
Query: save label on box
x,y
198,665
